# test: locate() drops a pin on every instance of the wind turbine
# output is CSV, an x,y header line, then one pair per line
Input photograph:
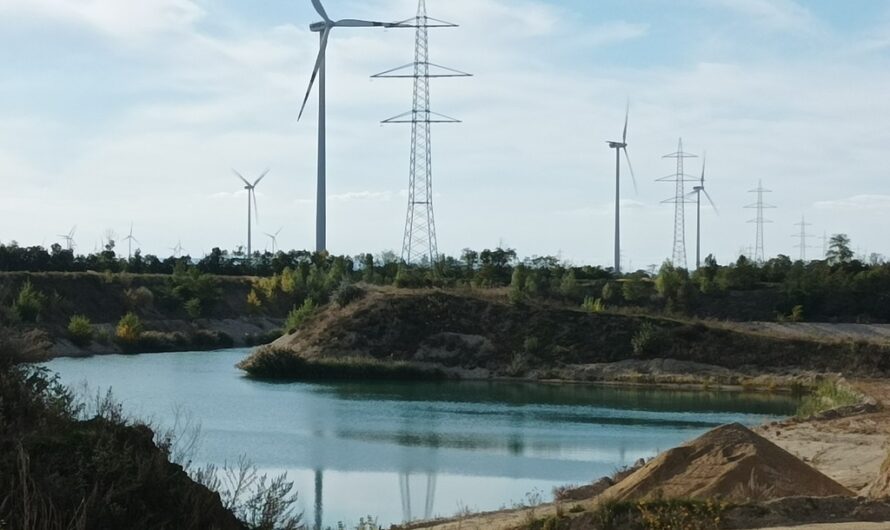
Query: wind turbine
x,y
129,239
698,191
274,238
177,250
69,238
323,28
251,203
618,147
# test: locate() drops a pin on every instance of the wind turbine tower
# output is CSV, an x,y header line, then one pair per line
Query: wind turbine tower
x,y
698,191
679,200
130,240
618,147
803,244
323,28
419,241
251,203
760,220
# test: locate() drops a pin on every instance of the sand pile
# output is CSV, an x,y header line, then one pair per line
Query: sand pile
x,y
881,487
731,463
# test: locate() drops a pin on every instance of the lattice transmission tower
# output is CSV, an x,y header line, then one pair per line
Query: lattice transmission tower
x,y
759,220
679,200
419,242
803,238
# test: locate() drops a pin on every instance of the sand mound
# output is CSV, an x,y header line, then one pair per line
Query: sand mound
x,y
881,487
731,463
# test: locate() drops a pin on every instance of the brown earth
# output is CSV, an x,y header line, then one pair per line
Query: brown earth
x,y
730,463
880,489
465,331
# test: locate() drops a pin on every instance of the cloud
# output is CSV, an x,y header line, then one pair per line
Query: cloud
x,y
611,33
773,14
856,203
115,18
364,196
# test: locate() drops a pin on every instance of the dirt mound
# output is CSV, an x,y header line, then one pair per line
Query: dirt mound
x,y
731,463
881,487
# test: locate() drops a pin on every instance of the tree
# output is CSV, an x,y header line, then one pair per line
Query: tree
x,y
839,250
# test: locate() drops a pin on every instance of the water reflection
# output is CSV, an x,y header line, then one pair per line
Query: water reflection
x,y
350,447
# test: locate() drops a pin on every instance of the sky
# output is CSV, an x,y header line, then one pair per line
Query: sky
x,y
136,111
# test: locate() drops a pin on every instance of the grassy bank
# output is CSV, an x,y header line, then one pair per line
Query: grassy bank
x,y
273,363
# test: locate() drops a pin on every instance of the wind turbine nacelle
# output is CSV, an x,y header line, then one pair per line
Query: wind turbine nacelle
x,y
617,145
317,26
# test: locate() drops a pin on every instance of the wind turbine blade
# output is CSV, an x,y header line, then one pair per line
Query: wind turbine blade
x,y
256,210
626,118
240,176
353,23
318,62
714,206
279,231
631,168
704,160
320,8
266,172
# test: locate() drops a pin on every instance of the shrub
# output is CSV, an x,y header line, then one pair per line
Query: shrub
x,y
139,299
254,304
592,305
827,395
796,314
645,339
129,329
274,363
29,303
193,308
299,315
80,330
347,293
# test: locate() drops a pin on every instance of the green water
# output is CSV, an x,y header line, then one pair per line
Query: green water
x,y
407,450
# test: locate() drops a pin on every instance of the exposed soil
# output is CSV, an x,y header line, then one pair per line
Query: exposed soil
x,y
463,331
730,463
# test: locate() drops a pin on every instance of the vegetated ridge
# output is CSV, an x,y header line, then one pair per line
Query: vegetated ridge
x,y
465,331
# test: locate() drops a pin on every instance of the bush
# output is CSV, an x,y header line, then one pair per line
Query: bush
x,y
29,303
274,363
129,329
193,308
347,293
299,315
254,304
80,330
827,395
139,299
645,340
592,305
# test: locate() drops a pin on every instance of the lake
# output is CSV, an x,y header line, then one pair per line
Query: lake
x,y
401,451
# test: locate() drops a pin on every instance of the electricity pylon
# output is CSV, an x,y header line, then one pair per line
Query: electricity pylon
x,y
760,220
679,200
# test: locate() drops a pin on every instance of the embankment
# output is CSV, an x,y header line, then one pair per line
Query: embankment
x,y
466,334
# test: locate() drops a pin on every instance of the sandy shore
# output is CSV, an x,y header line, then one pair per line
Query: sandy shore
x,y
849,450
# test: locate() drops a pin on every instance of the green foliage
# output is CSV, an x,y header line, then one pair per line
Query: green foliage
x,y
829,394
797,314
29,303
273,363
348,293
193,308
839,250
518,283
254,304
612,293
129,329
593,305
299,315
190,284
569,287
636,291
646,339
80,330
